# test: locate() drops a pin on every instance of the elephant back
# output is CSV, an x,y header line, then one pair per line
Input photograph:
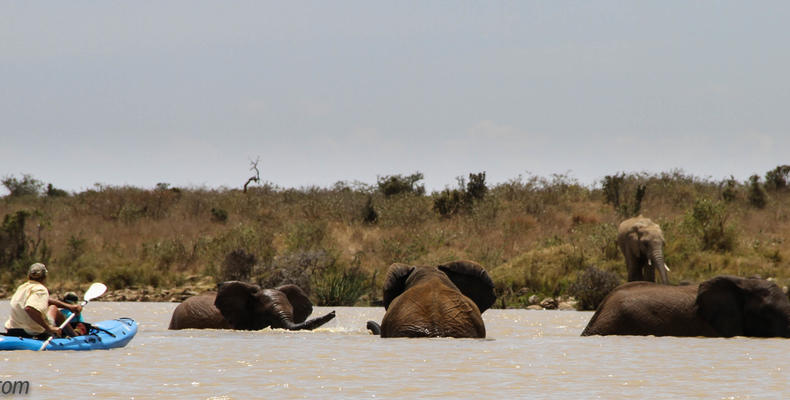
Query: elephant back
x,y
472,280
302,306
198,312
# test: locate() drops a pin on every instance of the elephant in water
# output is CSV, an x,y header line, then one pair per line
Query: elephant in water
x,y
442,301
724,306
243,306
198,312
642,244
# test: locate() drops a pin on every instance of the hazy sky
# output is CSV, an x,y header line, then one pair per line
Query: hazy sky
x,y
189,92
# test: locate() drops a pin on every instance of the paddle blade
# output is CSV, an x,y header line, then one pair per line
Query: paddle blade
x,y
96,290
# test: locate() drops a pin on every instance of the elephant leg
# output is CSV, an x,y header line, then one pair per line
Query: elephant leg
x,y
310,324
634,269
650,273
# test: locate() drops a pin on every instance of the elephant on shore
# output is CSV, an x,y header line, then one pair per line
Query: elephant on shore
x,y
642,244
435,301
724,306
243,306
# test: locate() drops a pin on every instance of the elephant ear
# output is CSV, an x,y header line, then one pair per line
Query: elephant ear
x,y
473,281
302,306
235,302
720,302
395,282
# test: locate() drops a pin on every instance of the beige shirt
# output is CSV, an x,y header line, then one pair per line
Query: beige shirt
x,y
32,294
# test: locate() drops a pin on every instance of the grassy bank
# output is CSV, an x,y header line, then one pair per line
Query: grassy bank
x,y
534,235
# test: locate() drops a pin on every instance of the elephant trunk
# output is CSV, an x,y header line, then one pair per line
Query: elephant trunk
x,y
310,324
657,259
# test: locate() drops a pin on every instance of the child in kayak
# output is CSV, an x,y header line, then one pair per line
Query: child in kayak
x,y
78,322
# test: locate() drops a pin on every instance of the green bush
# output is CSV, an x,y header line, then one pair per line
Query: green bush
x,y
238,266
337,286
75,247
121,277
55,192
615,189
730,193
295,268
591,287
476,188
612,187
707,220
13,240
219,215
28,186
396,184
776,179
757,196
369,214
542,270
17,249
450,202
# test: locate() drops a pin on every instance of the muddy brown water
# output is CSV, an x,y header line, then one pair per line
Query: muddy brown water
x,y
528,354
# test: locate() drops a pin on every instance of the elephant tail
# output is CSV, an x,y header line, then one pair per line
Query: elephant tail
x,y
374,327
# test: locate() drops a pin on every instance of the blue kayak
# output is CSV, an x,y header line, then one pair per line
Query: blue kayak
x,y
103,335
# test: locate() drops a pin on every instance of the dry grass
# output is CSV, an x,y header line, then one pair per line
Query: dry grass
x,y
534,235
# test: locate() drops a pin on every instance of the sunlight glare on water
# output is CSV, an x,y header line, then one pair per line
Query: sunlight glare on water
x,y
527,354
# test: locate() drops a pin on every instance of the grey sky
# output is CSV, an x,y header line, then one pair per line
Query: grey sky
x,y
189,92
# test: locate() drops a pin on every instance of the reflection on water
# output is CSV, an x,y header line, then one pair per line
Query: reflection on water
x,y
528,354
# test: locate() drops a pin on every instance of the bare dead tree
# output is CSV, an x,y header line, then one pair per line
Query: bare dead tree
x,y
255,178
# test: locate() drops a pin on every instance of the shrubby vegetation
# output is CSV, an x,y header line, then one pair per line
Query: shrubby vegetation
x,y
549,236
592,286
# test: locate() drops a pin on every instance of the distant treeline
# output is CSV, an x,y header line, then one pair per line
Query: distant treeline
x,y
535,235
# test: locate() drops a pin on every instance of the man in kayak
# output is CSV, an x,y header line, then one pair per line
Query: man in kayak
x,y
33,313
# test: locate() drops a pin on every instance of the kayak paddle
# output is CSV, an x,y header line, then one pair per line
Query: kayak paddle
x,y
96,290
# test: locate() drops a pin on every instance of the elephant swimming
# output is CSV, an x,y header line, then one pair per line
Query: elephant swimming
x,y
198,312
642,244
243,306
724,306
435,301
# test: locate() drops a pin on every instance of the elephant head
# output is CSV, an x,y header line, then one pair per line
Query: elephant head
x,y
468,277
248,307
642,244
744,307
444,300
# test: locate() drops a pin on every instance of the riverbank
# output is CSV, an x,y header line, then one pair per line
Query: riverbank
x,y
535,236
196,285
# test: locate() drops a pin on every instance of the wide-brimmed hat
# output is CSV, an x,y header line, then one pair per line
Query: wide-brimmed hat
x,y
37,271
71,297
